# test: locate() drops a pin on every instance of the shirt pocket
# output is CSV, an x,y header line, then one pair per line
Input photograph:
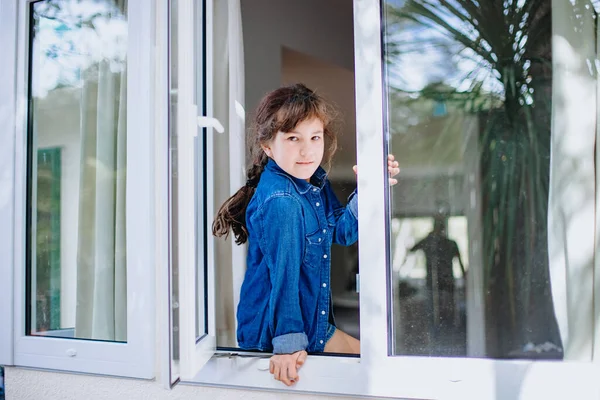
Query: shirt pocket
x,y
314,248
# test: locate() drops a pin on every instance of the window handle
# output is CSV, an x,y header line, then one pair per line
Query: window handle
x,y
210,122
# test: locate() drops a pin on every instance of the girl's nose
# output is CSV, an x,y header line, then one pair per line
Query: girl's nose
x,y
302,151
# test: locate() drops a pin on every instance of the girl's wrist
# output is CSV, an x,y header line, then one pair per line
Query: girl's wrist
x,y
290,343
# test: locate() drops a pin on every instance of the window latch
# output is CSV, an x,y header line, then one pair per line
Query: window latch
x,y
210,122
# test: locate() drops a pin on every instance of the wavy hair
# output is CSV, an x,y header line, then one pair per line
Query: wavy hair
x,y
279,111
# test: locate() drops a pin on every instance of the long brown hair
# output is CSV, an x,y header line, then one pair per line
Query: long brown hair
x,y
279,111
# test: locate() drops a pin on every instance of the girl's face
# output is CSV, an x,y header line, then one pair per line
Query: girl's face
x,y
299,152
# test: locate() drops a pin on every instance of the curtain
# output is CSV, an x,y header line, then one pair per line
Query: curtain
x,y
230,155
101,311
572,184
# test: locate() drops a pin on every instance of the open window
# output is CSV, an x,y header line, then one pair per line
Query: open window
x,y
82,226
221,39
470,264
207,151
191,183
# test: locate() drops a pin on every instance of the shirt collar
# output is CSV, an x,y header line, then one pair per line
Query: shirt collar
x,y
317,179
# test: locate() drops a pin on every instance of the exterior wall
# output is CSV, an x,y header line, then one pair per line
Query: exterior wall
x,y
51,385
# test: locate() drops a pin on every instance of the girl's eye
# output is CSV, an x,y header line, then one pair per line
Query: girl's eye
x,y
316,138
293,138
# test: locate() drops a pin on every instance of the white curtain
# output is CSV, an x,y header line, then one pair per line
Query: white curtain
x,y
230,155
101,311
572,184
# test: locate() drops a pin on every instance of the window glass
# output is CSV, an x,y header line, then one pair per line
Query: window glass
x,y
490,236
174,182
77,142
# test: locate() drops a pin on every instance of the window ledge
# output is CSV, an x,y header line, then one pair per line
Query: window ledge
x,y
412,377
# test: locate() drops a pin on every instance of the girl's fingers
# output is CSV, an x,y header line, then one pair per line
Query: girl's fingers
x,y
292,373
301,358
286,374
393,169
277,373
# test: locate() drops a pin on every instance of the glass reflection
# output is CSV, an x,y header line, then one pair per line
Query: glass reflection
x,y
77,138
472,90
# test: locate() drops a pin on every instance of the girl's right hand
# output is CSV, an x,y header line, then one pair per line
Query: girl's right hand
x,y
284,367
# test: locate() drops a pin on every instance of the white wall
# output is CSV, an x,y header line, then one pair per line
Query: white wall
x,y
321,29
51,385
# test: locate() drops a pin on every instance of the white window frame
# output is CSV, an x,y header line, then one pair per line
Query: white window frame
x,y
168,372
8,35
376,372
194,351
135,358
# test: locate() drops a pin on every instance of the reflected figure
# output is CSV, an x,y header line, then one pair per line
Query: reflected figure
x,y
440,252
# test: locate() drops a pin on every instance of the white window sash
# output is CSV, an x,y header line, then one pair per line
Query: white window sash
x,y
168,374
136,357
8,40
194,351
465,377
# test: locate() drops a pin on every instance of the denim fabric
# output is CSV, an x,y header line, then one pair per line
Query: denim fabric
x,y
285,300
330,331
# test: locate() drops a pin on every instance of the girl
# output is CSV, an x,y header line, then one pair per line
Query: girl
x,y
290,216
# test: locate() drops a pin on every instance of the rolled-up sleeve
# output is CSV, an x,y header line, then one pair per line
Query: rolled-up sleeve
x,y
282,223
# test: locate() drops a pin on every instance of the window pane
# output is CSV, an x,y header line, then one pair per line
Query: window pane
x,y
77,162
490,236
174,186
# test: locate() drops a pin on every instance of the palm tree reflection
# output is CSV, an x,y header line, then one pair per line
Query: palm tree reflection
x,y
492,62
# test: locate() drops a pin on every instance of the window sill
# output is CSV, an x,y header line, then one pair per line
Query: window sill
x,y
412,377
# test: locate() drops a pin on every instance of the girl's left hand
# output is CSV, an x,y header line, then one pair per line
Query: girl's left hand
x,y
393,169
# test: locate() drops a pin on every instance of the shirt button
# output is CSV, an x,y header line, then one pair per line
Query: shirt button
x,y
319,239
320,341
324,255
322,312
314,189
318,204
324,285
324,230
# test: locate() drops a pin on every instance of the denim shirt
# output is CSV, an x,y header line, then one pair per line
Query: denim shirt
x,y
285,299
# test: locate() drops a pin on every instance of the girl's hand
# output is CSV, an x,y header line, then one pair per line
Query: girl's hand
x,y
393,169
284,367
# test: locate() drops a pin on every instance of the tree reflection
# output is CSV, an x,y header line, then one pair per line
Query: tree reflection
x,y
497,60
73,37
